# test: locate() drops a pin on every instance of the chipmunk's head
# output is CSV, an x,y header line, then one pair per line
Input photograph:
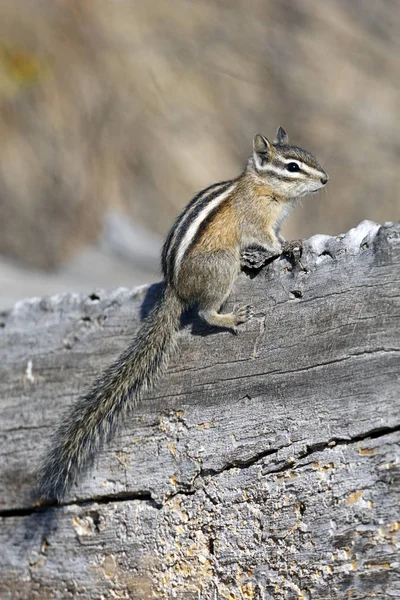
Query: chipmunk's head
x,y
290,171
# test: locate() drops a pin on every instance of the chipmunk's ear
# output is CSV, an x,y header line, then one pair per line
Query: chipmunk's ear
x,y
281,136
260,144
262,149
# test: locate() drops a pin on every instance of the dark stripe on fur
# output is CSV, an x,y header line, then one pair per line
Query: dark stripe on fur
x,y
205,223
181,225
178,221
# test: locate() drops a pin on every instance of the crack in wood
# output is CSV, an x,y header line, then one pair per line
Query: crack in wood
x,y
106,499
304,369
204,473
310,449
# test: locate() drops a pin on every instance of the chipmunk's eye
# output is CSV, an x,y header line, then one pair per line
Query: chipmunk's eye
x,y
293,167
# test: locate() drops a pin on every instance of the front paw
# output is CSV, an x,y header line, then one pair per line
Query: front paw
x,y
254,257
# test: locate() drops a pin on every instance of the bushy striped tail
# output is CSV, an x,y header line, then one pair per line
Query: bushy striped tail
x,y
95,417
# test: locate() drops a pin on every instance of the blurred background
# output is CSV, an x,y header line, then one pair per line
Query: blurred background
x,y
113,113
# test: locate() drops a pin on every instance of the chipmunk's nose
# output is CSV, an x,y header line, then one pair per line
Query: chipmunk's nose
x,y
324,179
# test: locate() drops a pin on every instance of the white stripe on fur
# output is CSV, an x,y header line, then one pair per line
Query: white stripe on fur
x,y
189,212
194,226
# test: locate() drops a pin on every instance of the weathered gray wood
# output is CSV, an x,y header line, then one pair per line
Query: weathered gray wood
x,y
265,465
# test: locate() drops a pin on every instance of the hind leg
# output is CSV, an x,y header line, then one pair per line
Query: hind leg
x,y
227,320
206,279
217,273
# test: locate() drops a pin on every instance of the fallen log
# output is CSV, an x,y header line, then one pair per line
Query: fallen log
x,y
264,465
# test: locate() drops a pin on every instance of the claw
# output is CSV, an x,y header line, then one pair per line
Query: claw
x,y
244,313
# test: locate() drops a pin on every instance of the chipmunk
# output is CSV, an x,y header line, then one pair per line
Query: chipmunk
x,y
201,260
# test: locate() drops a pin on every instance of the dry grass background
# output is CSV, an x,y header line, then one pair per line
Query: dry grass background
x,y
133,106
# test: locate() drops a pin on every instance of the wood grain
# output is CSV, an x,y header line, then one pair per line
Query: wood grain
x,y
264,466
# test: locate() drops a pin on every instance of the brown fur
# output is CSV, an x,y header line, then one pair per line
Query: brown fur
x,y
222,233
211,265
252,210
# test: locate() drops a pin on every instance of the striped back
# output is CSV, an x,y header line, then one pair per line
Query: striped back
x,y
187,227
